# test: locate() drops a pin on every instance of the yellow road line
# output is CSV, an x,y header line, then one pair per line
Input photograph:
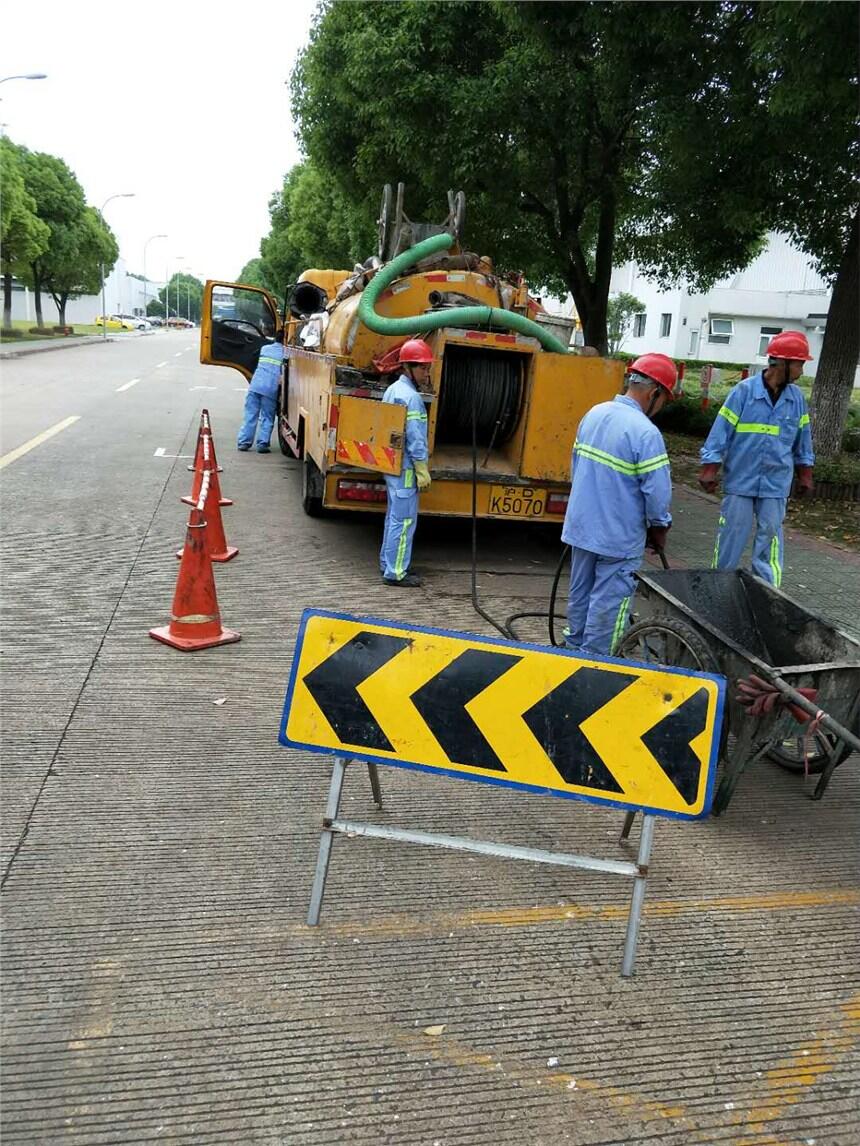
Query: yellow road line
x,y
19,452
403,925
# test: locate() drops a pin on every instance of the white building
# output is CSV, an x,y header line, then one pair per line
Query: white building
x,y
124,294
733,322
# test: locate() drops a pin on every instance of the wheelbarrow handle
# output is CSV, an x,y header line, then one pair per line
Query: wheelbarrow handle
x,y
827,721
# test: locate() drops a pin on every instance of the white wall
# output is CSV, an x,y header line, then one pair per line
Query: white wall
x,y
123,295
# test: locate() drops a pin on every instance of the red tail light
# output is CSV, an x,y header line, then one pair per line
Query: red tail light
x,y
556,502
360,490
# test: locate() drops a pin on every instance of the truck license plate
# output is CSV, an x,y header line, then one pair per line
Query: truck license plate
x,y
516,501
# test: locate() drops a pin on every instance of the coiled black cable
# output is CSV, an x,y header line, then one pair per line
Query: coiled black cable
x,y
482,391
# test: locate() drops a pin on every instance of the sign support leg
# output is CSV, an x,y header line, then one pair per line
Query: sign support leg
x,y
628,824
641,879
331,810
375,787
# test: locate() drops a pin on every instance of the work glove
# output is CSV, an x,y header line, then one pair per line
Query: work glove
x,y
708,476
655,538
422,474
802,480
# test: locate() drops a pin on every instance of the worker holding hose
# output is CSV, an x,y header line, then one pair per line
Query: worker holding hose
x,y
401,513
619,502
762,436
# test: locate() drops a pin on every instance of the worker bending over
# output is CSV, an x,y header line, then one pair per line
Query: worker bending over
x,y
620,495
401,513
762,436
261,401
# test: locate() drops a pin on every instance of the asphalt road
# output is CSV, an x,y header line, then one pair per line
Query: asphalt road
x,y
159,983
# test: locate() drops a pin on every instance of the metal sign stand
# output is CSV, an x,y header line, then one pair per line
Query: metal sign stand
x,y
332,825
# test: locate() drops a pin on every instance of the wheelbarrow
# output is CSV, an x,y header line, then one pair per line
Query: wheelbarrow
x,y
735,624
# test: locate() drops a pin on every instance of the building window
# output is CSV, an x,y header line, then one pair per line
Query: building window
x,y
694,343
638,325
721,330
665,325
767,333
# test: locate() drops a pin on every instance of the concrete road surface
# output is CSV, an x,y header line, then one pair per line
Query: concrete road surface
x,y
159,983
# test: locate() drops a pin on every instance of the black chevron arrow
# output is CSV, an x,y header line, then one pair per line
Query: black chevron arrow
x,y
333,683
665,740
555,722
442,700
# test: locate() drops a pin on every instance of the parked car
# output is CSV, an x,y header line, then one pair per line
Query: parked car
x,y
155,320
112,323
134,322
180,322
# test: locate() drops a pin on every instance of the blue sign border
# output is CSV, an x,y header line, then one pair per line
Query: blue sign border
x,y
371,758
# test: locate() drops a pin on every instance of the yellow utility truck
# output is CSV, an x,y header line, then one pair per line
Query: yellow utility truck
x,y
505,395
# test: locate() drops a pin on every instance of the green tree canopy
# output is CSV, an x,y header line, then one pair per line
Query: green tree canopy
x,y
23,235
76,268
183,295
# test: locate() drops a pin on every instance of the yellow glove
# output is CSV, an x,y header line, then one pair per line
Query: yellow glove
x,y
422,474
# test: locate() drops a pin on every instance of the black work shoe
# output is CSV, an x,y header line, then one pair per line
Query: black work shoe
x,y
407,581
244,448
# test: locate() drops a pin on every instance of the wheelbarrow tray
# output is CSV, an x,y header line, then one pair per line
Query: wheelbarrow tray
x,y
751,627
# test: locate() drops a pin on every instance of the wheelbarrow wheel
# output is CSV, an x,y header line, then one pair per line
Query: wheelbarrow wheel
x,y
666,641
789,753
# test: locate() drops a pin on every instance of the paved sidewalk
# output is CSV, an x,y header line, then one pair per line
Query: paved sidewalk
x,y
15,349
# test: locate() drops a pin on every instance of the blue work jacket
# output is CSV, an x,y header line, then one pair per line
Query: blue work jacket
x,y
267,376
403,393
759,442
620,480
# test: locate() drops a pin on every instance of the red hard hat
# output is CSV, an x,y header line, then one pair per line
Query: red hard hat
x,y
659,368
790,344
415,350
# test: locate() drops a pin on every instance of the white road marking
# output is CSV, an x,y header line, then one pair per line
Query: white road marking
x,y
178,353
202,387
127,385
162,453
239,389
13,455
159,365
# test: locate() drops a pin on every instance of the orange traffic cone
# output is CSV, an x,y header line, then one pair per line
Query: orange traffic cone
x,y
213,531
208,462
199,465
195,622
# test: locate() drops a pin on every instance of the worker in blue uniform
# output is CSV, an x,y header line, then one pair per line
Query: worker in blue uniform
x,y
621,491
401,513
762,436
261,402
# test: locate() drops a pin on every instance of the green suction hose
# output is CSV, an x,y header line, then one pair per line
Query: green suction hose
x,y
461,316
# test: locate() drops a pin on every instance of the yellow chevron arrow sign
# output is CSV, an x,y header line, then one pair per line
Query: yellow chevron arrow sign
x,y
505,713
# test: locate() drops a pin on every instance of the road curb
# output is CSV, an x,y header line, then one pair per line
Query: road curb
x,y
85,340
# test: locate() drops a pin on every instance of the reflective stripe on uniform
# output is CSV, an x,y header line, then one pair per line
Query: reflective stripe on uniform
x,y
399,571
274,361
716,556
413,415
409,478
757,428
775,566
804,421
730,416
619,623
630,469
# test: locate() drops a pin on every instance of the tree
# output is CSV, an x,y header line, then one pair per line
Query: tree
x,y
813,148
558,122
183,295
252,274
61,204
619,316
90,246
23,235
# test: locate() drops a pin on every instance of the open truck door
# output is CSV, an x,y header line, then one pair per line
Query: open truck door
x,y
367,434
237,321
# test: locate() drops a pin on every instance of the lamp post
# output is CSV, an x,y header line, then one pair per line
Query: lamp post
x,y
145,245
119,195
176,260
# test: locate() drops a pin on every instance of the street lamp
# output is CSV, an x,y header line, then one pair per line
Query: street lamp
x,y
119,195
27,76
145,245
176,259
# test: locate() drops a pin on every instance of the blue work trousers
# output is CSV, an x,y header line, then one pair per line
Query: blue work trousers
x,y
401,518
737,515
598,601
259,418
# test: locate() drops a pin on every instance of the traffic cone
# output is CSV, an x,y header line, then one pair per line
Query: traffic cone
x,y
213,532
205,426
195,622
208,462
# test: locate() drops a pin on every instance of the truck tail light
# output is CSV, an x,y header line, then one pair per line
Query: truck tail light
x,y
556,502
348,490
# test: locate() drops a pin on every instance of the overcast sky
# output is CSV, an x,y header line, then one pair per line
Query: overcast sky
x,y
185,107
